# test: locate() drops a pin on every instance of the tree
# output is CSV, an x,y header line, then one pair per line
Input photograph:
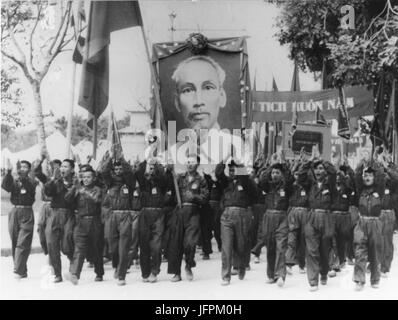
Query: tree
x,y
80,130
33,34
10,99
317,41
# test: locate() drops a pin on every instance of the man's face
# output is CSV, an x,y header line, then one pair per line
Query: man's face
x,y
24,170
368,179
319,172
88,178
276,175
192,165
231,172
66,169
199,95
118,170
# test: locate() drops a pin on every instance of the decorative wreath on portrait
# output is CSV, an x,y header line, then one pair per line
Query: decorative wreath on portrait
x,y
197,43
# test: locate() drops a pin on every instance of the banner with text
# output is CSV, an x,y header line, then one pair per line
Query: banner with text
x,y
270,106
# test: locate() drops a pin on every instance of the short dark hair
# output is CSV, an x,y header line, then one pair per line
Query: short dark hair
x,y
117,163
57,161
369,170
318,162
87,168
71,162
277,166
27,163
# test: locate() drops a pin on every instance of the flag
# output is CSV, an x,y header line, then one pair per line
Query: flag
x,y
296,79
343,122
114,138
320,119
274,86
389,126
76,24
104,17
380,115
294,122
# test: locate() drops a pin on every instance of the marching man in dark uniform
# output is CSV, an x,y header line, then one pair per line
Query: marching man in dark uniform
x,y
121,207
276,185
368,231
21,218
59,225
239,192
388,204
297,220
88,233
320,227
45,210
153,185
340,211
194,193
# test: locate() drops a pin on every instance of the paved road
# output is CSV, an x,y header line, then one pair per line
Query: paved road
x,y
206,284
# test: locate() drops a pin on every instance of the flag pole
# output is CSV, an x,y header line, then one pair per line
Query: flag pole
x,y
95,130
70,115
158,106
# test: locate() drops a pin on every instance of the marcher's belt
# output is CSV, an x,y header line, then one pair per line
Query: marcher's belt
x,y
235,207
369,217
152,208
23,207
46,201
321,211
275,211
190,204
298,208
121,211
341,212
214,201
61,209
87,217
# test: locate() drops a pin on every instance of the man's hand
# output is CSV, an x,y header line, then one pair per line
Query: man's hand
x,y
56,173
8,165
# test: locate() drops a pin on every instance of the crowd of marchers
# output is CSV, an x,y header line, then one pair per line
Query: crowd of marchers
x,y
306,212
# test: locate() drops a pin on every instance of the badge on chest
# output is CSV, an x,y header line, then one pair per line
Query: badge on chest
x,y
344,196
387,191
154,191
194,186
240,188
376,195
302,193
135,194
125,191
23,191
282,193
325,192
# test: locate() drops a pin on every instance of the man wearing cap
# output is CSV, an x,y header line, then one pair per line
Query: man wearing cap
x,y
194,193
153,185
21,218
87,234
239,193
121,208
368,231
61,220
276,185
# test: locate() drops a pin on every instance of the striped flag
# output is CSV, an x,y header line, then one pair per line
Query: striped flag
x,y
343,122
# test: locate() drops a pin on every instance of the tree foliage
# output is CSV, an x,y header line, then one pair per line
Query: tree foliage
x,y
313,31
10,99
